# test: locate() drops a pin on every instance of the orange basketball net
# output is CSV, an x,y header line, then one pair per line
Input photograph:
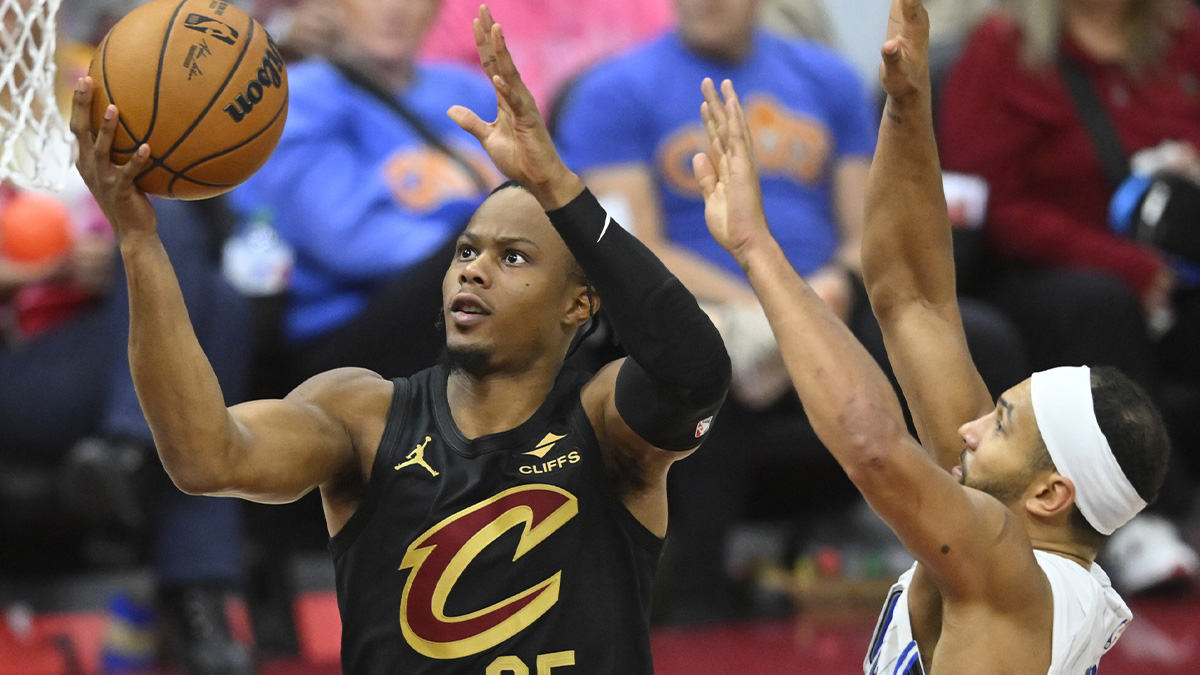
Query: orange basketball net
x,y
36,147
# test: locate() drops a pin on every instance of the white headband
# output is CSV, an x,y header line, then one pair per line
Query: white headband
x,y
1062,405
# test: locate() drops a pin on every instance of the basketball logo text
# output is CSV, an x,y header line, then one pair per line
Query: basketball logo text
x,y
218,30
268,75
440,556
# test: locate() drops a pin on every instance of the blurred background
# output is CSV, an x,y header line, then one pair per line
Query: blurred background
x,y
1076,230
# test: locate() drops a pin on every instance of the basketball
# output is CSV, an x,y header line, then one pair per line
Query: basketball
x,y
34,228
202,83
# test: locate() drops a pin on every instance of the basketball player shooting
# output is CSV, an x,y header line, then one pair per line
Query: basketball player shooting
x,y
494,514
1006,503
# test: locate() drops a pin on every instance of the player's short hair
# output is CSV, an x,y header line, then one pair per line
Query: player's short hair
x,y
1136,434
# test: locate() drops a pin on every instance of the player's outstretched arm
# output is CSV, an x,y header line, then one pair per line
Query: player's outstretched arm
x,y
847,398
269,451
665,394
908,264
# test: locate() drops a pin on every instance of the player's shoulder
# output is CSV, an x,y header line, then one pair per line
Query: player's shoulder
x,y
346,393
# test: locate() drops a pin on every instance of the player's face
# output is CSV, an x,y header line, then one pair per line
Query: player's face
x,y
1001,447
387,30
508,294
718,27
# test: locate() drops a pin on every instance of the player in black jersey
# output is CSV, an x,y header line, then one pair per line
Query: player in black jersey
x,y
496,516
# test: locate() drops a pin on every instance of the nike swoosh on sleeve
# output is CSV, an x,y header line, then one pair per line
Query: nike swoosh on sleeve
x,y
607,220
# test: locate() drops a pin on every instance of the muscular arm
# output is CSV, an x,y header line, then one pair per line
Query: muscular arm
x,y
908,267
845,395
849,191
267,451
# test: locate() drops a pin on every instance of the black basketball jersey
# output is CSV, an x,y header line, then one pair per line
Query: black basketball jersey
x,y
508,554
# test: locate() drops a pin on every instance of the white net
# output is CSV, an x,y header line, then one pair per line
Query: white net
x,y
36,147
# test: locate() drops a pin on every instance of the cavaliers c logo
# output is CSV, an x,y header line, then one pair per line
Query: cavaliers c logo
x,y
438,557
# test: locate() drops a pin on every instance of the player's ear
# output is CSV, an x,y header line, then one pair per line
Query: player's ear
x,y
1050,496
584,305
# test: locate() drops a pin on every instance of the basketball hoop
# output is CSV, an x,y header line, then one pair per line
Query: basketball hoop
x,y
36,146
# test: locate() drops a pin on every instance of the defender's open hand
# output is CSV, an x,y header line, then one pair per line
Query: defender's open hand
x,y
728,177
905,69
125,206
517,141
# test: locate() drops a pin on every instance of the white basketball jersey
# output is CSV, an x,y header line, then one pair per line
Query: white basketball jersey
x,y
1089,617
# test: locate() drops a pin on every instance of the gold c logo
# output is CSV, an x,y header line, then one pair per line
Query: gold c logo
x,y
438,557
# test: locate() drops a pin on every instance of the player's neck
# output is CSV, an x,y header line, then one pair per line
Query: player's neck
x,y
497,401
1080,553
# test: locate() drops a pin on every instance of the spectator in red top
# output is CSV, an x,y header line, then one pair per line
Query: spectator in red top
x,y
1007,115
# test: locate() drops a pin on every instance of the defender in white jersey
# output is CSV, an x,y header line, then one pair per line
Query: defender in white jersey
x,y
1003,504
1089,616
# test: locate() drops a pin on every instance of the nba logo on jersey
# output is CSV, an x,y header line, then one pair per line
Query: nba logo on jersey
x,y
703,425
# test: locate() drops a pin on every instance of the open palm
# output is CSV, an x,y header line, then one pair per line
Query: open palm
x,y
518,142
727,174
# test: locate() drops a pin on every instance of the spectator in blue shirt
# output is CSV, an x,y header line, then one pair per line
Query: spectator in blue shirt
x,y
369,204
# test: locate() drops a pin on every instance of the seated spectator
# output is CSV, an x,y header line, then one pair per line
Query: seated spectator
x,y
1080,292
554,41
370,185
630,128
67,400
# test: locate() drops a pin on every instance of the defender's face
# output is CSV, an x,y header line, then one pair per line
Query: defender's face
x,y
388,30
720,27
1001,447
508,291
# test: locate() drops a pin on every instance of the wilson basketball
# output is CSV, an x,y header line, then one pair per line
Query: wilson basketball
x,y
202,83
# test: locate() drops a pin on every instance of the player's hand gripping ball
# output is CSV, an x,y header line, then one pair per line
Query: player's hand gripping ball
x,y
202,83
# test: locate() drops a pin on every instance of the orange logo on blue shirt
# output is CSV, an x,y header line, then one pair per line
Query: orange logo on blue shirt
x,y
786,144
422,179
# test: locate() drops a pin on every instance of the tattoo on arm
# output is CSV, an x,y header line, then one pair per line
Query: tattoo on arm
x,y
892,116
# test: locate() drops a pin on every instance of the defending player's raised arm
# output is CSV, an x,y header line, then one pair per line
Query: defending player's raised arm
x,y
908,264
847,398
269,451
665,394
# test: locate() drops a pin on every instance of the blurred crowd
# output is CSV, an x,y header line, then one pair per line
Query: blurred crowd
x,y
1069,133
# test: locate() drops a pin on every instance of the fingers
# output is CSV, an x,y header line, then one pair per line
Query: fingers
x,y
737,129
715,106
715,147
483,43
136,165
81,117
891,51
469,122
108,129
518,96
706,175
